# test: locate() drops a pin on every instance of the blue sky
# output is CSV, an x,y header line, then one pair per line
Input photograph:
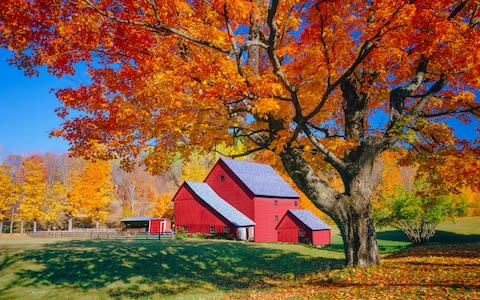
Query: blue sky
x,y
27,111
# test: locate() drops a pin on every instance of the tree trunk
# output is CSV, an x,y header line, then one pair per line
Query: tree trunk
x,y
34,225
1,227
70,223
97,225
359,239
350,210
21,227
12,220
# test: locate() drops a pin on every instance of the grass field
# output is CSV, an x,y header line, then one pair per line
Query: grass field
x,y
104,269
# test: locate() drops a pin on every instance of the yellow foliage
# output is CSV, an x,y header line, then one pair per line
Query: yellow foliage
x,y
162,206
93,190
33,187
473,200
7,192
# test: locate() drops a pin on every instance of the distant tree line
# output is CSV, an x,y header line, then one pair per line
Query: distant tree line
x,y
53,191
50,191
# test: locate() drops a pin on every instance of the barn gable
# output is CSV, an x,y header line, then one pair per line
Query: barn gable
x,y
222,207
260,179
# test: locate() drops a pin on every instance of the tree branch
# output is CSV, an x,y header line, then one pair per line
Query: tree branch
x,y
159,27
329,156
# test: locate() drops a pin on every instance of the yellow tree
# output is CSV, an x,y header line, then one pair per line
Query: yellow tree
x,y
162,205
93,190
54,201
33,187
7,193
198,163
73,168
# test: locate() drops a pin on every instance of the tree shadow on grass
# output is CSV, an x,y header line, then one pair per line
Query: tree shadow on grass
x,y
141,268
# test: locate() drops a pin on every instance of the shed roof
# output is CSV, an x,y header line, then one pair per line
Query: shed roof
x,y
260,179
208,195
309,219
139,219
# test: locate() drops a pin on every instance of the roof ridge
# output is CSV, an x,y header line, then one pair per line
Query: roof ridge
x,y
260,179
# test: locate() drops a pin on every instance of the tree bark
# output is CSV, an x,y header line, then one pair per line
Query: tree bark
x,y
12,220
70,223
97,225
22,223
1,227
359,236
35,225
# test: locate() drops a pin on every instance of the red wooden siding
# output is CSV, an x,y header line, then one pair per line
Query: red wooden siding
x,y
195,214
159,226
265,212
231,189
261,210
322,237
155,226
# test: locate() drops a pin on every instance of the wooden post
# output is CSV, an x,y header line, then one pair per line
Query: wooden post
x,y
12,220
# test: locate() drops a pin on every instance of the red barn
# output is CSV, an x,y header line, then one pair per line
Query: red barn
x,y
303,226
255,191
243,198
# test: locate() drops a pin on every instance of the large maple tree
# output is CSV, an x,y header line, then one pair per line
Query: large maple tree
x,y
322,84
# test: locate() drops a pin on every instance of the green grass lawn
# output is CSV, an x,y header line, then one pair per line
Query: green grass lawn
x,y
103,269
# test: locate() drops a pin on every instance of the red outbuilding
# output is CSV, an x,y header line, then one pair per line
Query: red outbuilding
x,y
152,225
303,226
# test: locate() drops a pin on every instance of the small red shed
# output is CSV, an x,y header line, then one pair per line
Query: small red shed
x,y
303,226
152,225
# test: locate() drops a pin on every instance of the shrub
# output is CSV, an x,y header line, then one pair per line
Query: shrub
x,y
416,213
220,236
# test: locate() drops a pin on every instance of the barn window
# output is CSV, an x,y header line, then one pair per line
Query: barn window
x,y
226,229
301,233
222,178
295,203
276,218
213,229
275,202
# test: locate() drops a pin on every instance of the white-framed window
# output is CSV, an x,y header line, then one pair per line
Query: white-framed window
x,y
222,178
301,233
213,229
226,229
